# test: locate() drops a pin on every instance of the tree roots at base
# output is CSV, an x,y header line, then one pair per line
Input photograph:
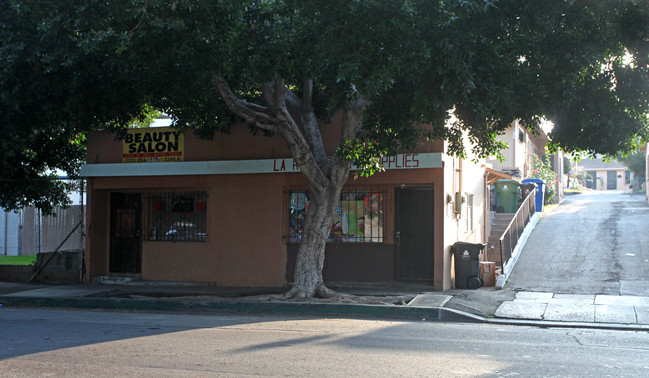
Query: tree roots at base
x,y
322,291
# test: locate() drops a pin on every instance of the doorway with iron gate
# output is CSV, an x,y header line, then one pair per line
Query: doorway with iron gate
x,y
414,234
125,233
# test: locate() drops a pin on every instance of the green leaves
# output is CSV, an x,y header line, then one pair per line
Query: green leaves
x,y
543,170
366,156
634,162
68,67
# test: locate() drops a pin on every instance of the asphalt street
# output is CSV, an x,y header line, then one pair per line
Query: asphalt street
x,y
593,243
41,342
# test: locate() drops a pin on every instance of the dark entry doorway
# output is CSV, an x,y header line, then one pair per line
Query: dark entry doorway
x,y
414,234
591,182
611,180
125,233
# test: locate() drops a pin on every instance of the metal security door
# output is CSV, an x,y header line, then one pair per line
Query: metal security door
x,y
125,232
611,180
414,234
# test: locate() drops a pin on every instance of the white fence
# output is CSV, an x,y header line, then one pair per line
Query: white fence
x,y
28,232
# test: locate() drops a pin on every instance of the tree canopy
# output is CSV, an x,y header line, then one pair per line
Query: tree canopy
x,y
398,71
69,67
635,162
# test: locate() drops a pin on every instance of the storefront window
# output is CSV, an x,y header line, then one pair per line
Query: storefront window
x,y
176,216
358,218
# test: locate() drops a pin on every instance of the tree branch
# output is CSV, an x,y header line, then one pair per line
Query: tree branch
x,y
352,115
309,120
307,97
279,100
268,93
276,118
254,113
278,96
303,156
294,102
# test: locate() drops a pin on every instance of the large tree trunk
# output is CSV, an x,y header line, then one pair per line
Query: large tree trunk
x,y
308,280
325,176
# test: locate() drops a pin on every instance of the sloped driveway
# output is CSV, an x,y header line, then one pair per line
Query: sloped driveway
x,y
593,243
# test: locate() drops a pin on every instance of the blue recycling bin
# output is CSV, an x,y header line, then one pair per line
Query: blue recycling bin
x,y
540,187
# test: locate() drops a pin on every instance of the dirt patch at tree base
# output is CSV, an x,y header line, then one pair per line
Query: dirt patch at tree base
x,y
395,300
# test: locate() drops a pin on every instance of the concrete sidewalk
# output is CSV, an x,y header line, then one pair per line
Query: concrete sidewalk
x,y
609,309
484,305
211,299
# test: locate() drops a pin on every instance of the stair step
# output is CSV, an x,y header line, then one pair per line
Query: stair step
x,y
492,253
497,231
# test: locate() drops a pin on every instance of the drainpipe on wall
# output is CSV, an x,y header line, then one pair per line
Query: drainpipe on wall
x,y
6,232
38,234
81,229
486,204
21,222
457,197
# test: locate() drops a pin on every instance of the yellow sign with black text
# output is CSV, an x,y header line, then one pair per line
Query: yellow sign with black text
x,y
155,144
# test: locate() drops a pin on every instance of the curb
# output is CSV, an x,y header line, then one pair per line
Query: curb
x,y
413,313
295,308
560,324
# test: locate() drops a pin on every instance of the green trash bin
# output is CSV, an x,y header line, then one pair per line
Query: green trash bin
x,y
506,195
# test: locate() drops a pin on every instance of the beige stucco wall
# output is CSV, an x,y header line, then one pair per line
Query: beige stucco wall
x,y
466,177
519,153
619,179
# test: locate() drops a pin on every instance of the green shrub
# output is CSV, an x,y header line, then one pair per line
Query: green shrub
x,y
542,170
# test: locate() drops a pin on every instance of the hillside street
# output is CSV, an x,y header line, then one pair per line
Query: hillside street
x,y
586,261
593,243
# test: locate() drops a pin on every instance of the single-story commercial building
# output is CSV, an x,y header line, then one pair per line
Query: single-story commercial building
x,y
167,206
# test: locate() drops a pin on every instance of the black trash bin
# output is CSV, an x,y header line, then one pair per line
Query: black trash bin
x,y
467,265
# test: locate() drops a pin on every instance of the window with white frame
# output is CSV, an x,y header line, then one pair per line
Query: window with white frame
x,y
469,212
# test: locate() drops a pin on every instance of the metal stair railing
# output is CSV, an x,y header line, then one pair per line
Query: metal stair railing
x,y
513,232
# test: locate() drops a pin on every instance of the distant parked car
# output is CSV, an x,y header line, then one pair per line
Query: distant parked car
x,y
184,231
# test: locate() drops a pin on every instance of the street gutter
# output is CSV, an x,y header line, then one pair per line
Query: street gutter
x,y
412,313
248,307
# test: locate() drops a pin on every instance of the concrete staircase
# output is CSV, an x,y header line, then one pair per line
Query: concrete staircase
x,y
498,227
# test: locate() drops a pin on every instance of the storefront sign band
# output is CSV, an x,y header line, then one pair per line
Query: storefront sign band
x,y
224,167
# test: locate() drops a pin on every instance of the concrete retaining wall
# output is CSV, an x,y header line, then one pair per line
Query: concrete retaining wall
x,y
16,273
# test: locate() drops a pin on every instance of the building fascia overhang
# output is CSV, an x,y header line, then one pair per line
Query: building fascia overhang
x,y
494,175
235,167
